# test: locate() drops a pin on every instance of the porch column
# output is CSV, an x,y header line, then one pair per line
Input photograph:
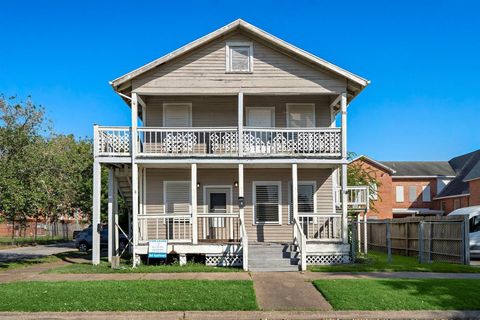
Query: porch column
x,y
194,203
110,213
241,191
97,185
240,124
344,169
295,196
115,214
133,151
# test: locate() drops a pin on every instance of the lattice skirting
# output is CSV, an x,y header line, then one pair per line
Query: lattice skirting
x,y
224,260
326,259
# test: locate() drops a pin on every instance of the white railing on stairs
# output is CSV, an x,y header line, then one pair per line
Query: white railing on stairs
x,y
244,240
301,241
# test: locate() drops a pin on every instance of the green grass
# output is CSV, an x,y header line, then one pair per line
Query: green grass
x,y
104,267
29,241
138,295
377,262
9,265
401,294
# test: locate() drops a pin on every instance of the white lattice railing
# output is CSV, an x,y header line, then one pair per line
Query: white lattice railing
x,y
321,227
358,197
112,141
223,142
292,141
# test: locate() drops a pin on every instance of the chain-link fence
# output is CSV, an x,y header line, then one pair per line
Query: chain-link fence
x,y
430,239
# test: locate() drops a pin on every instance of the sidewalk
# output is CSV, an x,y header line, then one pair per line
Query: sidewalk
x,y
244,315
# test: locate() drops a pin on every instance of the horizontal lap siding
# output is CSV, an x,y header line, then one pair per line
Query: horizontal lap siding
x,y
203,70
221,111
323,178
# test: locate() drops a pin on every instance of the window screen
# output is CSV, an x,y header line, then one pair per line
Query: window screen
x,y
306,201
266,203
399,193
426,194
177,197
239,58
301,116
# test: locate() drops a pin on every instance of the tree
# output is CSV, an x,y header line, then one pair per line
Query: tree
x,y
360,175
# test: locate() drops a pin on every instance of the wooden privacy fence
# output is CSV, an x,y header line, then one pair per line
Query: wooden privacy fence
x,y
428,238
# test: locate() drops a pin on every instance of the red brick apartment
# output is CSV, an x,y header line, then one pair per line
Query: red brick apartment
x,y
409,188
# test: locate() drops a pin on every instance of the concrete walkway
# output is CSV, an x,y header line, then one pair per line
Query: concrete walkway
x,y
244,315
287,291
33,252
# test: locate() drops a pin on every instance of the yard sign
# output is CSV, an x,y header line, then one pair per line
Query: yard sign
x,y
157,249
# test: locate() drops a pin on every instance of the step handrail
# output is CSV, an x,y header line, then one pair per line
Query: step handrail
x,y
301,241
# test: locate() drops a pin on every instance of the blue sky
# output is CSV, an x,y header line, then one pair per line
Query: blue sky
x,y
423,58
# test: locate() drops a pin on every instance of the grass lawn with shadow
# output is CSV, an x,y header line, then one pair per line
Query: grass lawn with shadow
x,y
378,262
135,295
401,294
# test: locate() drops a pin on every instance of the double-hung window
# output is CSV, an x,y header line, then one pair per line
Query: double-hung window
x,y
306,199
267,202
239,57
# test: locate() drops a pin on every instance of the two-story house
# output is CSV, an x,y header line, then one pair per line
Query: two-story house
x,y
232,153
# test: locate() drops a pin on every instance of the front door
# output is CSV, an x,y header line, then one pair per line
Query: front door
x,y
218,203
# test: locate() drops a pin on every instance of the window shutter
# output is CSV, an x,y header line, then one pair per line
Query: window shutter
x,y
399,193
177,197
266,203
301,116
426,194
177,115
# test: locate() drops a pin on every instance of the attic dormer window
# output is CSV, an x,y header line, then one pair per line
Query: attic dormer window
x,y
239,57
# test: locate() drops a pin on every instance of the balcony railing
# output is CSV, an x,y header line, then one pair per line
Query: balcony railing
x,y
357,197
220,142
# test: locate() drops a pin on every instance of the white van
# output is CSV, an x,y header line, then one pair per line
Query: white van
x,y
473,214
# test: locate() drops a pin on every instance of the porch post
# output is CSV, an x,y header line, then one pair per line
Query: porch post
x,y
110,214
240,124
344,169
97,185
295,198
241,191
134,106
194,203
115,210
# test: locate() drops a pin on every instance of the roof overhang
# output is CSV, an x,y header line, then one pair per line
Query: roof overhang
x,y
376,163
452,196
423,177
354,82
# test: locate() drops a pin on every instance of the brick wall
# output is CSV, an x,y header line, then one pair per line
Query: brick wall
x,y
449,203
474,187
418,183
382,206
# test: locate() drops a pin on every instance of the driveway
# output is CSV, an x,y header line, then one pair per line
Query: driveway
x,y
32,252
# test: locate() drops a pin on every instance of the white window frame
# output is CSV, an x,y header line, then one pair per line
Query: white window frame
x,y
397,188
272,114
302,182
426,194
173,104
292,105
165,184
254,201
228,61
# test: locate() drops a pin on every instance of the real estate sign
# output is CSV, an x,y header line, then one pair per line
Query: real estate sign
x,y
157,249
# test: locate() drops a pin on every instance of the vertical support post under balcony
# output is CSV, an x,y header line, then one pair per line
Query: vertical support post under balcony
x,y
194,203
97,185
295,196
241,190
343,103
240,124
115,213
134,106
110,214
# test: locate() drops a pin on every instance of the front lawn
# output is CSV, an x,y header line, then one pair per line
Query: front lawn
x,y
401,294
377,262
138,295
104,267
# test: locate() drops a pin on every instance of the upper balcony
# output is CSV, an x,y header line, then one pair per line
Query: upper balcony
x,y
219,142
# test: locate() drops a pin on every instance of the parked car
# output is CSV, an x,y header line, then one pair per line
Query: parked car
x,y
83,239
76,232
473,214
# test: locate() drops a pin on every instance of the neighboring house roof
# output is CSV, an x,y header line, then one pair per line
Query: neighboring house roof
x,y
358,82
474,174
421,168
373,162
465,166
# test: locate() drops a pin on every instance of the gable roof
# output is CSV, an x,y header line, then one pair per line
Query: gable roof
x,y
356,81
421,168
373,162
462,165
474,174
